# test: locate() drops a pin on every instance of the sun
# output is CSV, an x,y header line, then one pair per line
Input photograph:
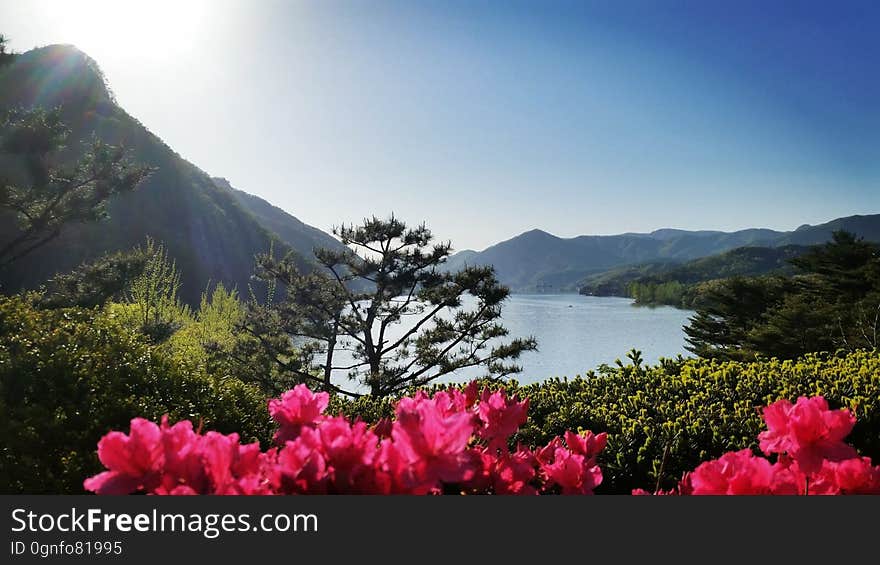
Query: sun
x,y
138,30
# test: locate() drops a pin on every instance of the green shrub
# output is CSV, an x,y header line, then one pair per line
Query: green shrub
x,y
686,410
69,376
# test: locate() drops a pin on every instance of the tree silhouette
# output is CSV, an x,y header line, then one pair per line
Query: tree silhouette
x,y
387,303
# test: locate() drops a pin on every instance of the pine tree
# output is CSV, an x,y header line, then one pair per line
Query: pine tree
x,y
388,303
46,195
731,310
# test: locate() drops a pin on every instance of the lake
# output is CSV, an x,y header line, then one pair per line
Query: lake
x,y
577,333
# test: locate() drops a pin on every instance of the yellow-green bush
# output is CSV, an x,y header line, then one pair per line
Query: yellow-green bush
x,y
684,411
69,376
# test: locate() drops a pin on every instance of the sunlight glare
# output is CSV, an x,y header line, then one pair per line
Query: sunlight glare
x,y
154,30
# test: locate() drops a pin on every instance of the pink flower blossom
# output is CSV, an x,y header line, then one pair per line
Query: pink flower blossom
x,y
514,472
501,417
133,461
349,451
573,467
738,472
857,476
454,442
807,431
296,408
431,436
301,465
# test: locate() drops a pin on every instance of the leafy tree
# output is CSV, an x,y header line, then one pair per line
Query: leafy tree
x,y
46,194
303,330
798,325
269,359
208,339
386,302
155,307
846,266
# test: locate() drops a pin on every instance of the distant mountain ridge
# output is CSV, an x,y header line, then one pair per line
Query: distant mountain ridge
x,y
537,261
212,230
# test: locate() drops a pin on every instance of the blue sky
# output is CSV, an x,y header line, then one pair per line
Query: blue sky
x,y
486,119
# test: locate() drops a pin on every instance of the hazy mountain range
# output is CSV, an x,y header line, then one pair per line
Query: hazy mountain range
x,y
539,261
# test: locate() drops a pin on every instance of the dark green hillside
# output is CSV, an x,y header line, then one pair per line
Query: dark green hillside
x,y
673,283
743,261
615,282
205,228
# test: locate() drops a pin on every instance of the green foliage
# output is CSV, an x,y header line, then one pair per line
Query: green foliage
x,y
691,410
6,56
68,376
832,303
682,285
207,339
733,308
97,282
154,305
671,292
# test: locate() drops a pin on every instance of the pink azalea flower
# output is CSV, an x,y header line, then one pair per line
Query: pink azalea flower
x,y
514,472
738,472
471,393
808,431
500,418
857,476
587,444
432,437
296,408
349,451
393,475
301,465
183,461
572,472
787,479
428,449
574,467
382,428
231,467
133,461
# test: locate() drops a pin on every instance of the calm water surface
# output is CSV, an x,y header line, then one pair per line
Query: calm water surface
x,y
577,333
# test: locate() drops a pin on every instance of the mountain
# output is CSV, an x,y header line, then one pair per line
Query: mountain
x,y
211,230
742,261
300,236
539,261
